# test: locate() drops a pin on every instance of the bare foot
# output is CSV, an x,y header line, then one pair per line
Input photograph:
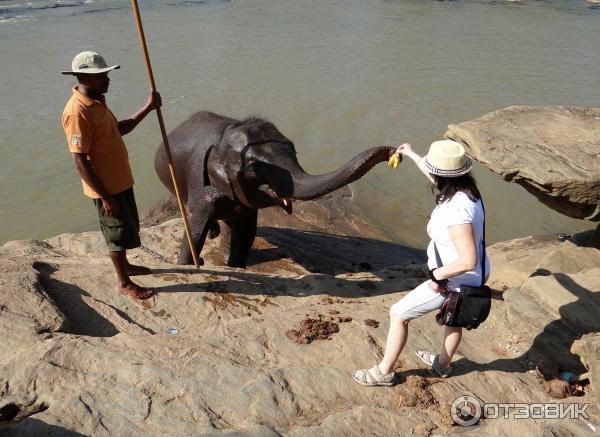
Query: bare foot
x,y
135,291
133,270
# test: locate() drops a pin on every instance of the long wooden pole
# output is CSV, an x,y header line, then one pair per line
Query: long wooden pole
x,y
140,31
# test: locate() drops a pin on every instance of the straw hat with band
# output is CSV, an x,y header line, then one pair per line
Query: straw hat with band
x,y
89,63
447,158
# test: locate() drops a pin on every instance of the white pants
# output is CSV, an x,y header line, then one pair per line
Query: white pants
x,y
421,300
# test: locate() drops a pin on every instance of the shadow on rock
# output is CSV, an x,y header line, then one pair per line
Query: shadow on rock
x,y
589,238
87,315
36,428
14,411
319,252
550,350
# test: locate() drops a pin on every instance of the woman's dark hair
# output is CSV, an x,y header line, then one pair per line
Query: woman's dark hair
x,y
448,187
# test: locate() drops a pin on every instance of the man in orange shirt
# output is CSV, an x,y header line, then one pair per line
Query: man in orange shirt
x,y
95,140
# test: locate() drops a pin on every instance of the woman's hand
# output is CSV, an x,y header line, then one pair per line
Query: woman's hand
x,y
436,287
405,148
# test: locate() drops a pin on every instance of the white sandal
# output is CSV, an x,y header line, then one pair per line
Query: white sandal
x,y
373,377
433,362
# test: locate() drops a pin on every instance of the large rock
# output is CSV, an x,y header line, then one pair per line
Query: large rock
x,y
87,361
23,294
552,151
515,260
588,348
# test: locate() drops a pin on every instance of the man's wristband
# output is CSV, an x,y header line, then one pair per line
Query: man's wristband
x,y
442,282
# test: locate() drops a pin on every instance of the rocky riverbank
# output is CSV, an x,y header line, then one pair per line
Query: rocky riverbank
x,y
270,350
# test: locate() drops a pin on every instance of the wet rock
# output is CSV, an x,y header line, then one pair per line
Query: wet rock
x,y
326,229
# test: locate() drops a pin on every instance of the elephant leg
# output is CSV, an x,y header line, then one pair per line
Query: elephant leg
x,y
242,231
225,240
202,208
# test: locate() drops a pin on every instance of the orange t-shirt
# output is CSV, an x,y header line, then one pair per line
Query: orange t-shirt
x,y
91,128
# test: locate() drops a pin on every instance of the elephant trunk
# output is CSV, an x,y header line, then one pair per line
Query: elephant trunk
x,y
308,187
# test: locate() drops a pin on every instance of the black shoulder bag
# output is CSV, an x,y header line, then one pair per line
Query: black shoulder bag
x,y
469,308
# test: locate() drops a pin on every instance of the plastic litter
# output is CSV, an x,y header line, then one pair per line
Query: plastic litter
x,y
563,237
567,376
173,331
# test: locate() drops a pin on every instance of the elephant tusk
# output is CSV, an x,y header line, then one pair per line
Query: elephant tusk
x,y
286,204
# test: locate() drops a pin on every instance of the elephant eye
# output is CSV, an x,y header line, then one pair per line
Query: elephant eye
x,y
251,172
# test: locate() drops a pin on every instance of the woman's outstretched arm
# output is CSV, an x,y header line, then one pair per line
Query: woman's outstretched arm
x,y
406,149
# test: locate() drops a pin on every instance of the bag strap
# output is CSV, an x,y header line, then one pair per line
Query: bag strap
x,y
483,249
438,259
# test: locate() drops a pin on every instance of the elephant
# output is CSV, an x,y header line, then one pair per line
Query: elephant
x,y
228,169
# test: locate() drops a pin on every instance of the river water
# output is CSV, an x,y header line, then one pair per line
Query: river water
x,y
335,76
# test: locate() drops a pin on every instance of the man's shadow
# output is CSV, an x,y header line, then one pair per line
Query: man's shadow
x,y
551,348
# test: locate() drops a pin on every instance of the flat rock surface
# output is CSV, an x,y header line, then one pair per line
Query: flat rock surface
x,y
552,151
76,358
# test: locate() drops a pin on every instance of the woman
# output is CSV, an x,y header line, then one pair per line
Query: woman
x,y
456,231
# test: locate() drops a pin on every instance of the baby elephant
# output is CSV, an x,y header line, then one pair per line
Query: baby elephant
x,y
228,169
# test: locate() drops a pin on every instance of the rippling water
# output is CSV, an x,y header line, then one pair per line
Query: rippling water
x,y
335,76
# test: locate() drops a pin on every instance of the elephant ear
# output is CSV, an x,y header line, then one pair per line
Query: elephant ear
x,y
239,140
231,148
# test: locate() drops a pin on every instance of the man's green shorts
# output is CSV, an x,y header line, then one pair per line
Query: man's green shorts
x,y
121,232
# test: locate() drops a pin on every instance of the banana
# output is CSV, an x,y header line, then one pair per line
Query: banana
x,y
395,160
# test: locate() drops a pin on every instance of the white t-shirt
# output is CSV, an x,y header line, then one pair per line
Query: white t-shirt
x,y
458,210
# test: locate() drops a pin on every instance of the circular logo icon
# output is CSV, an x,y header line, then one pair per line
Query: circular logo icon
x,y
465,410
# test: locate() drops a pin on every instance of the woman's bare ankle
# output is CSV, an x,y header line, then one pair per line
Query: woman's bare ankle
x,y
384,369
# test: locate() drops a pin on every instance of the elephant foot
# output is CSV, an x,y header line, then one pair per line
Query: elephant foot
x,y
240,264
237,239
187,260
